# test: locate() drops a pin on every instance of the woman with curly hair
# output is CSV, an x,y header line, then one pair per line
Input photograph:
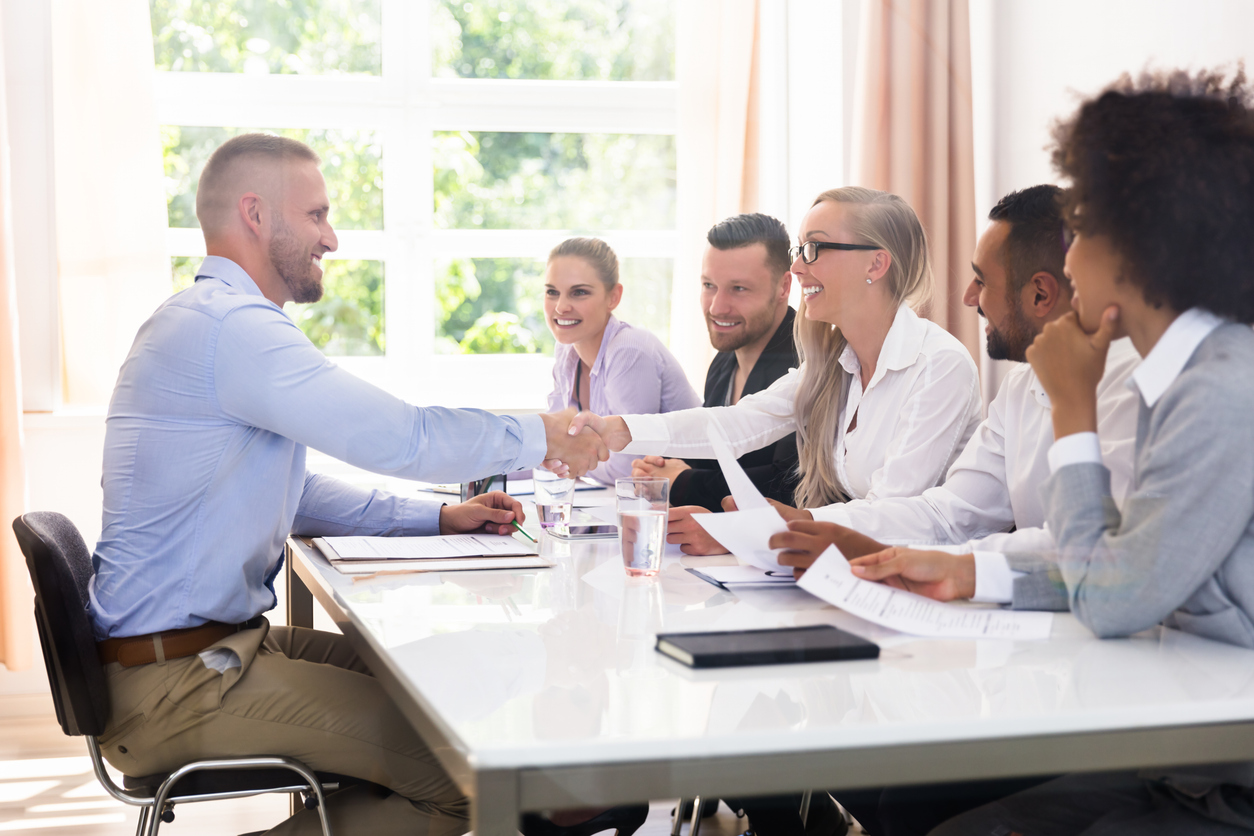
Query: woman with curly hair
x,y
1163,210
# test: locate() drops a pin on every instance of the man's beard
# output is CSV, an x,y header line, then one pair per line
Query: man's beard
x,y
1012,340
754,329
295,266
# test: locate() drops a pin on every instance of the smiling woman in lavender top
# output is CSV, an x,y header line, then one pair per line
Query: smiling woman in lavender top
x,y
603,364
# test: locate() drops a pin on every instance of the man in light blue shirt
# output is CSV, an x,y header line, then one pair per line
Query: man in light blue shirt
x,y
204,478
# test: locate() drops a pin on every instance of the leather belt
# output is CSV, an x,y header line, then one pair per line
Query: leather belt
x,y
170,644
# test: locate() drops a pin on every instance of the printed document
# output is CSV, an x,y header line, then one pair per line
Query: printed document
x,y
416,548
831,579
744,532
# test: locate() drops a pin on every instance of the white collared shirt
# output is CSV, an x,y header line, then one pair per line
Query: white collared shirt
x,y
995,482
1157,371
913,417
1150,380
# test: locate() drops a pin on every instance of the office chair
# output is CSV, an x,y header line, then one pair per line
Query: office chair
x,y
60,568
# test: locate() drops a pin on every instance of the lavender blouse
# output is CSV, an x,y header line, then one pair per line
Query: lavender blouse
x,y
634,374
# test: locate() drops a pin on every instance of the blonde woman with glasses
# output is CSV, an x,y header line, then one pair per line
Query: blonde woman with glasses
x,y
883,400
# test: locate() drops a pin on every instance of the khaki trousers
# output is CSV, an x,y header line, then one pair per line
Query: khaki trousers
x,y
300,693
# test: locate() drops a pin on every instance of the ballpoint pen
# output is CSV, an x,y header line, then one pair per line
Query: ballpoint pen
x,y
524,533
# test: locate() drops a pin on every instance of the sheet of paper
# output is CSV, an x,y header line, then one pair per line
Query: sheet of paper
x,y
746,494
746,534
410,548
831,579
451,564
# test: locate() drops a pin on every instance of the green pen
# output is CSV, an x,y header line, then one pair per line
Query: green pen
x,y
525,534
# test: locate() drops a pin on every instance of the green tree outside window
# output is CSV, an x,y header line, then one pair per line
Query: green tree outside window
x,y
567,40
308,37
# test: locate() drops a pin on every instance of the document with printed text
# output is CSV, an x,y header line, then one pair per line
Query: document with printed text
x,y
418,548
831,579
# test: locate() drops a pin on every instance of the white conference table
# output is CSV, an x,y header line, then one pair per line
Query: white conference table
x,y
541,689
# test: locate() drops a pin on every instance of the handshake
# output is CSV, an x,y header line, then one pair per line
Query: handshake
x,y
578,442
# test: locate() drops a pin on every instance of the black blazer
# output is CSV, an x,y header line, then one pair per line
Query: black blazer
x,y
772,468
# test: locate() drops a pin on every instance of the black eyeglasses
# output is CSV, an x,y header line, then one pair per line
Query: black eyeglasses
x,y
809,251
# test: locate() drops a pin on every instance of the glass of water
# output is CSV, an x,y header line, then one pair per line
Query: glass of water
x,y
554,497
642,506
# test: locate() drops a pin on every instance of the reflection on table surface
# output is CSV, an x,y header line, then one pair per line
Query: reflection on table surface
x,y
539,665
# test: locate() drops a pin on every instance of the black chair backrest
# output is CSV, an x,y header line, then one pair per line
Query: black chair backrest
x,y
60,569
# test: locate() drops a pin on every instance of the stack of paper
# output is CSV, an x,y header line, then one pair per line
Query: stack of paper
x,y
455,552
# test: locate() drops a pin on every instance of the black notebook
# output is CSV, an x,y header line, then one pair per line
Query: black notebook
x,y
820,643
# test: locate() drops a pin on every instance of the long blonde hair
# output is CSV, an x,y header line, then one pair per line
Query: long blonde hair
x,y
888,222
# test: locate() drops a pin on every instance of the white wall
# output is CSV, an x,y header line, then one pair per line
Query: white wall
x,y
63,461
1047,54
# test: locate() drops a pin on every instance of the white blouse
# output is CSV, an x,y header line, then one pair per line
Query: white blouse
x,y
913,417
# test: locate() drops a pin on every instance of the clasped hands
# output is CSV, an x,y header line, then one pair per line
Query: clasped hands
x,y
578,442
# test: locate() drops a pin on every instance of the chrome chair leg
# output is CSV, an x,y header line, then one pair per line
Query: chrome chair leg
x,y
677,821
142,828
163,792
695,827
805,806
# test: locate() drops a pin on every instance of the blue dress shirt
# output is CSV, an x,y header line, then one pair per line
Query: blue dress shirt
x,y
204,458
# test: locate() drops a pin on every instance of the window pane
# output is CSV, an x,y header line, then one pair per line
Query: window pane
x,y
490,306
647,295
568,40
348,320
508,180
352,163
183,271
496,305
310,37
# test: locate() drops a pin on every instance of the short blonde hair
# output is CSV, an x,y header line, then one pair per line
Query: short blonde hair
x,y
212,200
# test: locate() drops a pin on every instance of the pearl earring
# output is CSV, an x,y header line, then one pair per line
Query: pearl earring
x,y
868,281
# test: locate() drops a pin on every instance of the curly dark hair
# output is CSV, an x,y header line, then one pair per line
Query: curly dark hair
x,y
1163,165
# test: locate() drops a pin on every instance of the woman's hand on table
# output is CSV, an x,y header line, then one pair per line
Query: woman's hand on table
x,y
492,513
681,528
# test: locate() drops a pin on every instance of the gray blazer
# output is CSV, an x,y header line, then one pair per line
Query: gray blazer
x,y
1182,552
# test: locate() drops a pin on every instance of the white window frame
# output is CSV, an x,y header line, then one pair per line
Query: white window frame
x,y
406,104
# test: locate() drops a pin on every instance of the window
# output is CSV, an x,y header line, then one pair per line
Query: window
x,y
461,141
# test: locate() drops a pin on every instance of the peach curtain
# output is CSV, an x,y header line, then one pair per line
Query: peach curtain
x,y
110,199
16,596
912,135
716,152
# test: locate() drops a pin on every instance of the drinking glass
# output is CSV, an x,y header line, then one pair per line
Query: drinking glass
x,y
642,505
554,495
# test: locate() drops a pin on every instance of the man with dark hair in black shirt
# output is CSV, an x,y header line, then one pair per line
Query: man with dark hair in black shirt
x,y
744,294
